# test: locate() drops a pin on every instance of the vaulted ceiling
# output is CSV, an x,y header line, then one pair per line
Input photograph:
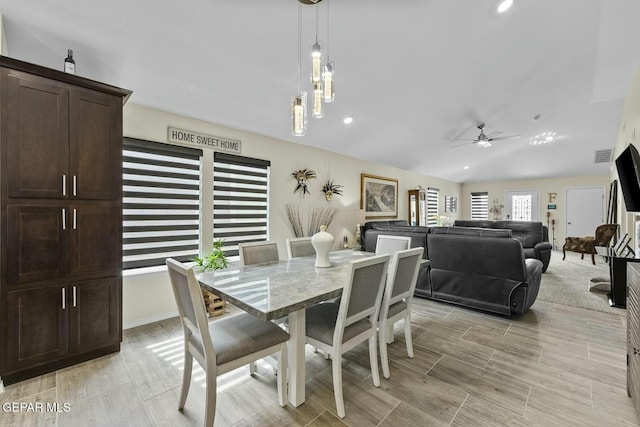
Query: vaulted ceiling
x,y
416,75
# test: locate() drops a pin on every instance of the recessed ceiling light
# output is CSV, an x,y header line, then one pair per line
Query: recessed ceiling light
x,y
466,167
348,120
504,6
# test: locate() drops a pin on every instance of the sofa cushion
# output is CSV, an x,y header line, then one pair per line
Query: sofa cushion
x,y
528,232
472,231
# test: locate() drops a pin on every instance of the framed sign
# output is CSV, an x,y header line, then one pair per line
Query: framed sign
x,y
378,196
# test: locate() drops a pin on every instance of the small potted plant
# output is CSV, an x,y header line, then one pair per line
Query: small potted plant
x,y
216,260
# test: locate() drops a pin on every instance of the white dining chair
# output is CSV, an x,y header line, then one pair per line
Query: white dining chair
x,y
388,244
300,247
223,345
258,252
396,302
337,328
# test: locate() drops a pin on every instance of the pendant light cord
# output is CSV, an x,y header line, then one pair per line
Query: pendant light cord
x,y
327,31
299,44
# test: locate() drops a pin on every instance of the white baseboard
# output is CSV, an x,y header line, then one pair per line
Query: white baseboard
x,y
147,320
1,386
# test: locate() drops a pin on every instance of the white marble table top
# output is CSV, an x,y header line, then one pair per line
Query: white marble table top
x,y
273,290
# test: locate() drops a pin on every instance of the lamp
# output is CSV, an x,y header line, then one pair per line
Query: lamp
x,y
327,71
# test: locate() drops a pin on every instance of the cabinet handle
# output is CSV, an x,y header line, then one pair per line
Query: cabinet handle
x,y
75,185
64,185
64,298
64,219
74,296
75,219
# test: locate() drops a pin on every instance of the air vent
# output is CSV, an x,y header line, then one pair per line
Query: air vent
x,y
603,156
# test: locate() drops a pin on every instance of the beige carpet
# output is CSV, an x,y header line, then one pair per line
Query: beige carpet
x,y
567,282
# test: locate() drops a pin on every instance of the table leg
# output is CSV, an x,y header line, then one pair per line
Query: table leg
x,y
296,357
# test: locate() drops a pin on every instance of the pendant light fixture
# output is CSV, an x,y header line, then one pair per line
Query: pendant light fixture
x,y
328,87
299,101
321,76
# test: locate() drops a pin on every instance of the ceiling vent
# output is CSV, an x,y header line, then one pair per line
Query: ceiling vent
x,y
603,156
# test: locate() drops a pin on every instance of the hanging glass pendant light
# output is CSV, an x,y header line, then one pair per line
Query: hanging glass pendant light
x,y
316,55
299,114
299,101
328,92
318,112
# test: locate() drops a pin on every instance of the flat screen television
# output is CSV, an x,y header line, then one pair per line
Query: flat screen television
x,y
628,166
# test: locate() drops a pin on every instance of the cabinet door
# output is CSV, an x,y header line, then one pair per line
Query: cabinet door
x,y
95,317
95,145
96,244
36,121
37,326
37,243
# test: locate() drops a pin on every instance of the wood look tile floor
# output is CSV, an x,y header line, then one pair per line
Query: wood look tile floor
x,y
553,366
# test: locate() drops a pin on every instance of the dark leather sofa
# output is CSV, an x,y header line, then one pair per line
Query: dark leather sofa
x,y
534,236
482,268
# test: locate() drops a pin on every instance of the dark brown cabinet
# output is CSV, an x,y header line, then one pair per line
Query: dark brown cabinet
x,y
60,219
61,139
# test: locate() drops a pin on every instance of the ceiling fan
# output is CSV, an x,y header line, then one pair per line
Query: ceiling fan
x,y
484,140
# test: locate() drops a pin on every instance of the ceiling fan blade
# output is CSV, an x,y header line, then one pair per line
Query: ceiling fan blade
x,y
494,133
453,147
503,138
465,139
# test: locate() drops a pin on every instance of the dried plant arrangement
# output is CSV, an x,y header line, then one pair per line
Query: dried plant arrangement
x,y
320,216
295,219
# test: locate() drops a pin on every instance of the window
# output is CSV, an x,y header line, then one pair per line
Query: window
x,y
432,205
240,201
480,205
522,205
161,203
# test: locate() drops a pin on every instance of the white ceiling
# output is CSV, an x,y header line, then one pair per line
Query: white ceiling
x,y
414,74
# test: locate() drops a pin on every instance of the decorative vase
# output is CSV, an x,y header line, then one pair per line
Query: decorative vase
x,y
322,243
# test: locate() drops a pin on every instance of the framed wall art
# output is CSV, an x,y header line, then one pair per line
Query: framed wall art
x,y
378,196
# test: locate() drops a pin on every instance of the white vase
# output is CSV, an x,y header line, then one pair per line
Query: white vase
x,y
322,243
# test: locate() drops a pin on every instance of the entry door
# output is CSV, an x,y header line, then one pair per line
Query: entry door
x,y
522,205
585,210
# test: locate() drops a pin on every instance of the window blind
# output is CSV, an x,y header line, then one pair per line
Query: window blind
x,y
240,201
161,203
433,195
480,205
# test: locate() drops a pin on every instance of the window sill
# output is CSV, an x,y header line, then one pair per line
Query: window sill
x,y
149,270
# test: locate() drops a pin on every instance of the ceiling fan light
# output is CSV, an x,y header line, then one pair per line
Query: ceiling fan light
x,y
484,144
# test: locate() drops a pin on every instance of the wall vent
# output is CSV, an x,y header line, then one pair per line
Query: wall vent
x,y
603,156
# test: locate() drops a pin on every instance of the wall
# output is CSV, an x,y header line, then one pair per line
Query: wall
x,y
148,297
544,187
628,133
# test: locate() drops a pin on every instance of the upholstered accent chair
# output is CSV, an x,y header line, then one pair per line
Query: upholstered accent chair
x,y
587,245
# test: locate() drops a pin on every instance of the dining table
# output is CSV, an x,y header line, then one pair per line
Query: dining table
x,y
274,290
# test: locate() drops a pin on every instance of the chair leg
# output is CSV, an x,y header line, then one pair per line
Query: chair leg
x,y
336,366
407,334
384,357
186,378
253,368
282,376
373,359
582,255
211,396
564,253
593,259
390,334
